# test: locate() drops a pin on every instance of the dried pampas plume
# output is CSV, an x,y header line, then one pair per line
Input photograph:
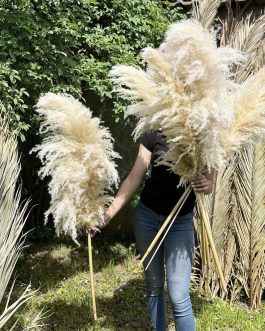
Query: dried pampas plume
x,y
187,93
77,152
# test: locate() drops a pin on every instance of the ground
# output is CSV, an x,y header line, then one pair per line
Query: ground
x,y
60,270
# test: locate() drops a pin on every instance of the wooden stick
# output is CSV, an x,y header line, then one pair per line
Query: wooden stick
x,y
205,220
207,251
173,219
204,244
91,276
164,225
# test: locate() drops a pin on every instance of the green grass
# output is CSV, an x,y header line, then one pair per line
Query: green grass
x,y
60,271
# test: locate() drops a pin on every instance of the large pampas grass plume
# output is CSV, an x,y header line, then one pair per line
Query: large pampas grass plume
x,y
77,153
187,93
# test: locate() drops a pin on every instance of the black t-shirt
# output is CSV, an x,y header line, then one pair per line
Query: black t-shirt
x,y
160,192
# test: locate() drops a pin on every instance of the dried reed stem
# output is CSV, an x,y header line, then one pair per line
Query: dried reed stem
x,y
173,219
163,227
205,220
91,276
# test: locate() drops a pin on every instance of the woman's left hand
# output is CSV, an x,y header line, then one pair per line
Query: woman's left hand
x,y
202,184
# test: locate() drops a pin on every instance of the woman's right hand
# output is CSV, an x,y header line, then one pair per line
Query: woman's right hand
x,y
105,222
128,187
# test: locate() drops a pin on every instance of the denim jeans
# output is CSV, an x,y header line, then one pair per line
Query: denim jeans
x,y
176,253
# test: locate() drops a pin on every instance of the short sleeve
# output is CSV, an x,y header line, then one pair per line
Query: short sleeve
x,y
148,140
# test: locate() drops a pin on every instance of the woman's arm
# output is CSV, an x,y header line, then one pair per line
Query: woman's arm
x,y
204,183
130,184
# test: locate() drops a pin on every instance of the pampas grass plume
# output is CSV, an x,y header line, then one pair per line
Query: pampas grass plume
x,y
186,92
77,153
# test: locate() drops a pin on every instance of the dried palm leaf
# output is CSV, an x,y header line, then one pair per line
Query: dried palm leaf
x,y
10,310
12,220
245,33
12,214
77,152
205,11
249,180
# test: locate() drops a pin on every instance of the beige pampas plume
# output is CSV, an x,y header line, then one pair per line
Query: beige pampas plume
x,y
249,117
77,152
187,93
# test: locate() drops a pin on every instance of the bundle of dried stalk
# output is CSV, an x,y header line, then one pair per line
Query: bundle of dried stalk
x,y
77,152
187,92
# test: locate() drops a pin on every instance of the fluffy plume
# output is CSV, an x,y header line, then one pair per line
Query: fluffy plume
x,y
187,93
77,152
249,116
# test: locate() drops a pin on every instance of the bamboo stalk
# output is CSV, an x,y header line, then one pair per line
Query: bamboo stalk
x,y
205,246
205,220
159,233
207,251
91,276
173,219
203,239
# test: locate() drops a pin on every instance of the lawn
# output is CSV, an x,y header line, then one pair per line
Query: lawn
x,y
59,270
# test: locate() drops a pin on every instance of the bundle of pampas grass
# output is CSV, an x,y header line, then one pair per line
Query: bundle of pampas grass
x,y
77,153
188,92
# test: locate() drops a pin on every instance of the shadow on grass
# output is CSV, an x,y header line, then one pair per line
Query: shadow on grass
x,y
124,310
44,264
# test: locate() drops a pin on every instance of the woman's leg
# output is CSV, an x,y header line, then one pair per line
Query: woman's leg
x,y
146,225
179,246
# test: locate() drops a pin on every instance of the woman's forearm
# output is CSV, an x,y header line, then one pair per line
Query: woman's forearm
x,y
130,184
126,191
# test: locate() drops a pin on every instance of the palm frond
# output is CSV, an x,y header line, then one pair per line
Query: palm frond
x,y
205,11
245,33
12,214
219,208
37,321
10,310
12,219
249,180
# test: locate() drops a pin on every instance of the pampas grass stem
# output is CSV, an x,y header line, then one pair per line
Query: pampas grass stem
x,y
204,217
91,273
172,221
163,227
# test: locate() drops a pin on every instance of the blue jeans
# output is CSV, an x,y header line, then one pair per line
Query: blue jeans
x,y
176,253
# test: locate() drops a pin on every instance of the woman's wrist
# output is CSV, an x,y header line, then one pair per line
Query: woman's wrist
x,y
209,187
107,218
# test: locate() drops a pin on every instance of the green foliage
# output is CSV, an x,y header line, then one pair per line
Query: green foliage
x,y
69,46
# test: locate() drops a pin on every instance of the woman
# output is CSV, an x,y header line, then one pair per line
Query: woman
x,y
158,198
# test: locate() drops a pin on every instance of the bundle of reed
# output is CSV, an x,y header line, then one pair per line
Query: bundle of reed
x,y
77,153
188,93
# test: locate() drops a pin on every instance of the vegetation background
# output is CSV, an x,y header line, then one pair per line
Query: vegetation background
x,y
70,46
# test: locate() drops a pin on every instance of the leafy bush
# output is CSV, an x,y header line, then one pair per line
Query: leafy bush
x,y
69,46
